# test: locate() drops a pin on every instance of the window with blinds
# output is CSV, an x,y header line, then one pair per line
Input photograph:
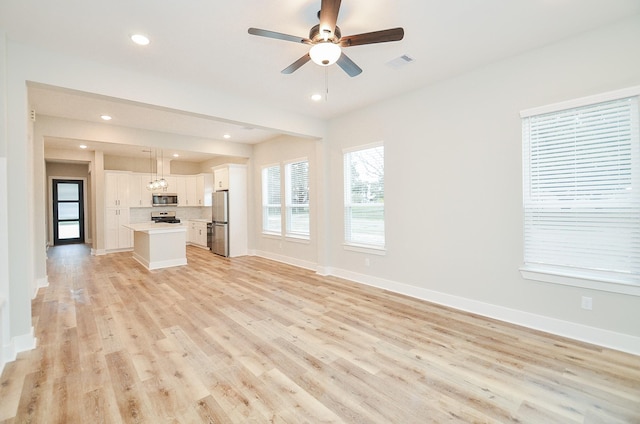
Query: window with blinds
x,y
582,191
297,198
364,197
271,203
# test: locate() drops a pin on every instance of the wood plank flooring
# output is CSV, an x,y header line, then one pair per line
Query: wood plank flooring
x,y
248,340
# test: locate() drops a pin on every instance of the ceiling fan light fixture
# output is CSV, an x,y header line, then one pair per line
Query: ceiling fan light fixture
x,y
325,53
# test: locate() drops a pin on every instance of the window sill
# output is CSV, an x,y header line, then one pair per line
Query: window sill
x,y
297,239
272,235
381,251
593,282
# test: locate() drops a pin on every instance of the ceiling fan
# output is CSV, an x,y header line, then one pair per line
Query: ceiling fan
x,y
326,40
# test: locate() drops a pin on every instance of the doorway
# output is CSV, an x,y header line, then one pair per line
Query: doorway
x,y
68,212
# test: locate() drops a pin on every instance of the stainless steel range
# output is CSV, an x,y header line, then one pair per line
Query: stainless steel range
x,y
167,217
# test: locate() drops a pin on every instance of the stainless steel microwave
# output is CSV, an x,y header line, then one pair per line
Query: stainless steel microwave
x,y
164,199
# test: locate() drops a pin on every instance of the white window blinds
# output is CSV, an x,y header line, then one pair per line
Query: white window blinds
x,y
271,203
364,197
297,198
582,191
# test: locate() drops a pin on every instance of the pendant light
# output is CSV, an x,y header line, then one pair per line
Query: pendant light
x,y
162,182
150,184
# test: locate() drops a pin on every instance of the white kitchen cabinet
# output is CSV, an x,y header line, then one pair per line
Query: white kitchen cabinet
x,y
197,234
116,236
204,188
116,189
139,196
190,182
171,184
180,189
221,178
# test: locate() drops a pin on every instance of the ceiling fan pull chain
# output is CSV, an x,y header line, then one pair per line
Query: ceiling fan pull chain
x,y
326,84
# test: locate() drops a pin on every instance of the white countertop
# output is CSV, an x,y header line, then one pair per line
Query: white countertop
x,y
157,227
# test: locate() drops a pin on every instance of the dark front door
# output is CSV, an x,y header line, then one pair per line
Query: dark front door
x,y
68,212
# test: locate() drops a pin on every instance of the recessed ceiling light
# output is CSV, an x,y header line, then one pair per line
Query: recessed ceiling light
x,y
175,155
141,40
227,136
105,117
316,97
83,146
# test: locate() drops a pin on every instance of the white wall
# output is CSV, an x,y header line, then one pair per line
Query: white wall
x,y
279,151
453,187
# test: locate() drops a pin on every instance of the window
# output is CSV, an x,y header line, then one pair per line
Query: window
x,y
271,205
582,193
364,197
297,198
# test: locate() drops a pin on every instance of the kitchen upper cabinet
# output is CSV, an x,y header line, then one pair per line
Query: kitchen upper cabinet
x,y
180,189
116,188
190,182
221,178
204,188
139,196
171,184
117,236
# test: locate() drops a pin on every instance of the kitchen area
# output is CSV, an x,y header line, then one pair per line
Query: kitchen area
x,y
157,214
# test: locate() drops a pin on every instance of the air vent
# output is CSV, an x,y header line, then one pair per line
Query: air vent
x,y
401,61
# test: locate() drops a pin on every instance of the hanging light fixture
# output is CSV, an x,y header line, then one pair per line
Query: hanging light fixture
x,y
150,184
325,53
162,182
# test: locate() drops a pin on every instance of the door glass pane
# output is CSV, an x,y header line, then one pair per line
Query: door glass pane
x,y
68,230
68,211
68,191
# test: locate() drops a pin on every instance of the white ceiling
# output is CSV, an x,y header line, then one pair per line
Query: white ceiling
x,y
206,43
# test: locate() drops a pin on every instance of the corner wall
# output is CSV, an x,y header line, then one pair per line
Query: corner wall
x,y
453,187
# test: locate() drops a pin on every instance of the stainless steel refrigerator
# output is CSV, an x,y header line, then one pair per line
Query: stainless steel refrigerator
x,y
220,223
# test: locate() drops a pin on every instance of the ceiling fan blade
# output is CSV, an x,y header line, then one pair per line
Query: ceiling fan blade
x,y
329,16
297,64
383,36
278,35
348,65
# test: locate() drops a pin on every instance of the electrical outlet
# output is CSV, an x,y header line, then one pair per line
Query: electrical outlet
x,y
587,303
367,262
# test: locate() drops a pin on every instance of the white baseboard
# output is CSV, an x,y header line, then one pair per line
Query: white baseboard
x,y
40,283
593,335
16,345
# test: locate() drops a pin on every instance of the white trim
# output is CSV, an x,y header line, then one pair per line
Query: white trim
x,y
16,345
584,333
582,101
592,282
40,283
159,264
297,239
361,248
363,147
597,336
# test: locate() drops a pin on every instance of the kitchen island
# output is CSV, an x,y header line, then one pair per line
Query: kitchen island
x,y
159,245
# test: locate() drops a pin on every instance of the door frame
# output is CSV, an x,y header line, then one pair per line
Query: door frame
x,y
49,223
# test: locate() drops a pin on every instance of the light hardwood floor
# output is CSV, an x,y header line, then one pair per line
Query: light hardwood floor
x,y
249,340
